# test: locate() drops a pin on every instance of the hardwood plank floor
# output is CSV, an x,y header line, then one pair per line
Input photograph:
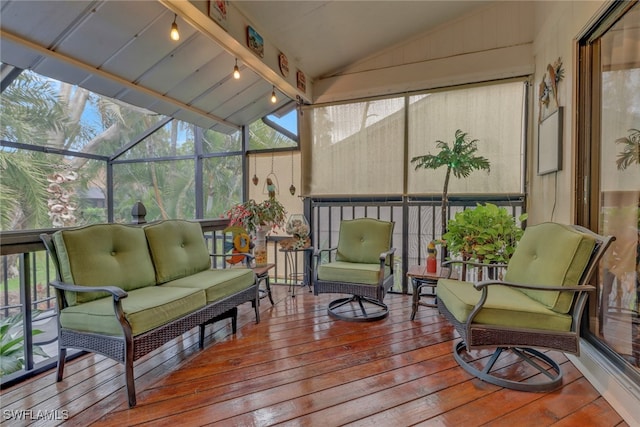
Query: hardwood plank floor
x,y
298,367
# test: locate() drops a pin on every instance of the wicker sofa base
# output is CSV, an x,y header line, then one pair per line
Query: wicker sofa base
x,y
117,348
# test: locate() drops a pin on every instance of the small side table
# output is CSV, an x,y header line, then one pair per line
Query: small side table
x,y
262,275
421,279
291,263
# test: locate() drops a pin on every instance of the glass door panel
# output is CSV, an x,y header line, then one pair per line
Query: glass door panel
x,y
619,201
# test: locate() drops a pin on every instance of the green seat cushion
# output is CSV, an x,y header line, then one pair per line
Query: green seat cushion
x,y
103,255
177,249
362,240
554,255
504,307
217,284
144,308
350,272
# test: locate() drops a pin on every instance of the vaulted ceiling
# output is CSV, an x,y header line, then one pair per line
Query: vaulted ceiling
x,y
122,49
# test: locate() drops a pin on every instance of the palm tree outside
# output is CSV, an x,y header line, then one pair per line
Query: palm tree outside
x,y
630,149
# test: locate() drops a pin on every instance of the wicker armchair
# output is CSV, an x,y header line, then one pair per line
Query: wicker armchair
x,y
361,265
538,304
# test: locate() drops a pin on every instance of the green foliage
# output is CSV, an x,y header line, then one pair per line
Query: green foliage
x,y
459,158
30,108
12,344
23,186
251,214
486,234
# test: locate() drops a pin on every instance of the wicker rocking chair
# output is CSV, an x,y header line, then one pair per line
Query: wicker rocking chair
x,y
362,265
539,304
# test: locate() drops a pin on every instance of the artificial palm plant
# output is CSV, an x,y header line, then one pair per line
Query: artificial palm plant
x,y
460,159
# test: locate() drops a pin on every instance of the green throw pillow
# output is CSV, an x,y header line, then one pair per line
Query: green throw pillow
x,y
177,248
554,255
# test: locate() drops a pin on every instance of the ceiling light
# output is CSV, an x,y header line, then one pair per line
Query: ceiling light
x,y
175,35
273,96
236,71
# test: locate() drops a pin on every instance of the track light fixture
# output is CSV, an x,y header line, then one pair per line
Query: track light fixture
x,y
236,71
274,99
175,35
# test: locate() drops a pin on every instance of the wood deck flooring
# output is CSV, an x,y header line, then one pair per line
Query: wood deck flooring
x,y
298,367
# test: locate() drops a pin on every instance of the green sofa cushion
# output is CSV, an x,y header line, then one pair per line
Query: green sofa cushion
x,y
349,272
103,255
144,308
362,240
177,249
554,255
504,307
218,283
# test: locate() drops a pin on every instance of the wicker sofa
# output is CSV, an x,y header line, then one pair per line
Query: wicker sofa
x,y
124,290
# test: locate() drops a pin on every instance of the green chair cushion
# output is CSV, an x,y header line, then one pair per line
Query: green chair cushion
x,y
554,255
103,255
144,308
217,284
362,240
349,272
504,307
177,249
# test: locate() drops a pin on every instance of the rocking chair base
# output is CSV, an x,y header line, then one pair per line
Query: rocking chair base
x,y
549,369
357,309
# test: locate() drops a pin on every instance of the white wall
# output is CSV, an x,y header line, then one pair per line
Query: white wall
x,y
491,43
557,26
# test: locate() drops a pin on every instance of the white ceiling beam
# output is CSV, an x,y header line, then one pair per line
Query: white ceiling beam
x,y
233,41
99,72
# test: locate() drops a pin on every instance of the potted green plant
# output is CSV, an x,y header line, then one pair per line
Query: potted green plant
x,y
252,215
459,158
485,234
258,219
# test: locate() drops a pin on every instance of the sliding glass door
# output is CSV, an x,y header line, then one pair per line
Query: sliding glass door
x,y
609,171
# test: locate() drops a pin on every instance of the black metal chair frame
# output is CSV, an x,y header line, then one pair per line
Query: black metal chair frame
x,y
367,298
519,341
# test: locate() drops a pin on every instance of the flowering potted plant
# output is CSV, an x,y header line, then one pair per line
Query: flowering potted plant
x,y
253,216
258,219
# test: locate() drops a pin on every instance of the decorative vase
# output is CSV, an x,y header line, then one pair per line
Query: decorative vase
x,y
260,248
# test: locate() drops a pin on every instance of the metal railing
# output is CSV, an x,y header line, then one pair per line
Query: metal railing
x,y
25,289
26,272
417,222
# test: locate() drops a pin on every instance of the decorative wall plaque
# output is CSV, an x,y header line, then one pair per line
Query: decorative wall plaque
x,y
255,42
218,12
283,62
301,81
